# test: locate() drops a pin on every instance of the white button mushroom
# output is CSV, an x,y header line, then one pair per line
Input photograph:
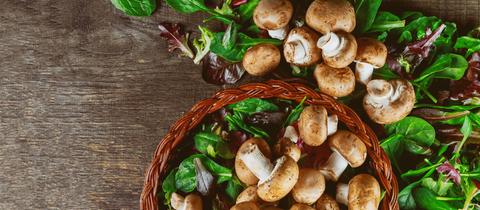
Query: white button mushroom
x,y
246,206
261,59
190,202
274,16
388,101
275,181
243,173
331,15
300,47
347,149
300,206
362,192
333,81
371,54
285,146
338,48
326,202
310,186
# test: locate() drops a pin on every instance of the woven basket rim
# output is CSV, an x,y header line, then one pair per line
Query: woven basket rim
x,y
271,89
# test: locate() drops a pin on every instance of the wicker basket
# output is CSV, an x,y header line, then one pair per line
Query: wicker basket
x,y
271,89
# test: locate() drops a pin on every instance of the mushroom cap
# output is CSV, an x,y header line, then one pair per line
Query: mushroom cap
x,y
331,15
371,51
308,38
326,202
243,173
349,146
281,181
335,82
363,192
193,202
261,59
310,186
401,104
271,208
273,14
312,125
285,146
300,206
249,194
347,55
246,206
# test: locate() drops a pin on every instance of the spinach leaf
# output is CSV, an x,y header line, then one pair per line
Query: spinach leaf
x,y
386,73
405,197
295,113
447,66
136,7
234,187
169,187
237,122
471,44
188,6
452,108
253,105
246,10
384,22
440,187
230,36
212,145
427,199
366,11
414,129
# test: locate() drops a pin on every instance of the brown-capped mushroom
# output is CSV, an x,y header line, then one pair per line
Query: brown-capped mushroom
x,y
300,47
261,59
300,206
248,194
274,16
333,81
246,206
243,173
326,202
371,54
275,180
310,186
331,15
347,149
285,146
314,125
362,192
190,202
387,102
271,208
338,49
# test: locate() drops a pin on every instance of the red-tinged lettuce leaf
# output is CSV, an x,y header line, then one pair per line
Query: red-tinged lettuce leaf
x,y
237,3
218,71
469,85
176,38
452,174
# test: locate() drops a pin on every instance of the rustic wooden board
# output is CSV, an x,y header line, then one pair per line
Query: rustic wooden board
x,y
86,93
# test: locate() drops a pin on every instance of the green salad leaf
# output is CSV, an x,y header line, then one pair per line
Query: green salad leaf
x,y
365,12
446,66
136,7
212,145
253,105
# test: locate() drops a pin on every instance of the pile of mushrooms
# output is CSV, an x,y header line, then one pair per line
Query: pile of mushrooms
x,y
326,43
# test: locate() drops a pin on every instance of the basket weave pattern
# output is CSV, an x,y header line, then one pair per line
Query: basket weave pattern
x,y
271,89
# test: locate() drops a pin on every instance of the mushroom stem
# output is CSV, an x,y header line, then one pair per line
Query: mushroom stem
x,y
291,134
334,166
331,44
177,201
280,33
332,124
363,72
342,193
257,163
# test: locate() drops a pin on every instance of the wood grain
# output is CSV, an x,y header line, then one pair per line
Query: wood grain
x,y
86,93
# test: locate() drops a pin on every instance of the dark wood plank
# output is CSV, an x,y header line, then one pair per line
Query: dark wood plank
x,y
86,93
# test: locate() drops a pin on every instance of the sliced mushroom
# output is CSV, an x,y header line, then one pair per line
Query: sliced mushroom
x,y
331,15
387,102
326,202
243,173
335,82
274,16
338,49
310,186
261,59
300,47
371,54
246,206
300,206
362,192
275,181
285,146
190,202
347,149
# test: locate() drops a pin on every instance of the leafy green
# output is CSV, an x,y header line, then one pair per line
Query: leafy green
x,y
212,145
447,66
427,200
236,121
419,26
295,113
224,14
405,197
202,45
386,21
471,44
246,10
169,187
440,187
234,187
253,105
366,11
136,7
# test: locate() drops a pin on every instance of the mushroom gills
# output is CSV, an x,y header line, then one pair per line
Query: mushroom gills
x,y
298,45
332,124
331,44
383,92
257,163
334,166
280,33
342,193
363,72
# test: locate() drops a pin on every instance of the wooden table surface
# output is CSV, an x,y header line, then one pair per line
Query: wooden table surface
x,y
87,92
